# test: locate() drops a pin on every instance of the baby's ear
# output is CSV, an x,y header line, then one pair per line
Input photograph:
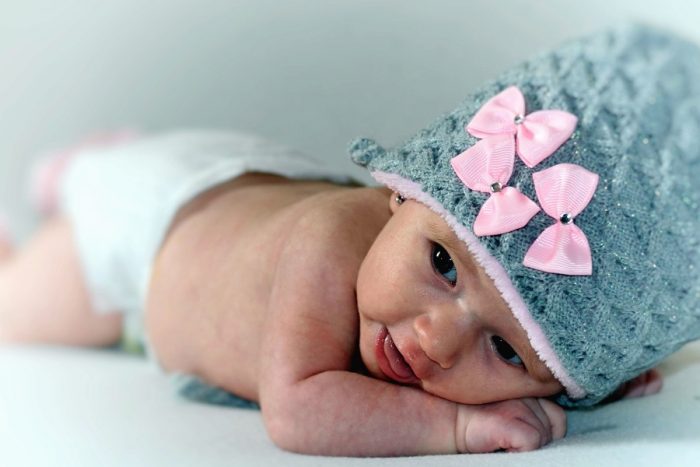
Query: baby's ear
x,y
395,200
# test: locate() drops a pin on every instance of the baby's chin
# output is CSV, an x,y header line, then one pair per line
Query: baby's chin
x,y
486,395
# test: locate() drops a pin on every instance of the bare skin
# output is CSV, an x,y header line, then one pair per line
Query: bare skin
x,y
290,335
296,293
42,295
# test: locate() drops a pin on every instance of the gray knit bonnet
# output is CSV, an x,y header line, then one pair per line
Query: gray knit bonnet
x,y
591,233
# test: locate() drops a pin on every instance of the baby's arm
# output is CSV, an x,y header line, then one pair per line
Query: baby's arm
x,y
311,403
342,413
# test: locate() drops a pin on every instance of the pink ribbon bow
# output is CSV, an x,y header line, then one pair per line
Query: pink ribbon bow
x,y
487,167
537,135
563,190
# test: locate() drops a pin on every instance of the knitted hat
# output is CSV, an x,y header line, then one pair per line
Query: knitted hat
x,y
573,181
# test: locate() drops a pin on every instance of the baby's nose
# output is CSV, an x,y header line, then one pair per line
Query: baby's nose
x,y
441,337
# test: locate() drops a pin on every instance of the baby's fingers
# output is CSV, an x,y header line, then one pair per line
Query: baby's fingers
x,y
539,418
520,435
509,434
557,418
647,383
546,421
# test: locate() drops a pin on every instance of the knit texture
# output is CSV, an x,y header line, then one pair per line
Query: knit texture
x,y
636,92
194,389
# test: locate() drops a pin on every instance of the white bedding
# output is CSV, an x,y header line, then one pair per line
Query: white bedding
x,y
69,407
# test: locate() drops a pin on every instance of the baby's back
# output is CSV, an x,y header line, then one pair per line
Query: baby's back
x,y
212,278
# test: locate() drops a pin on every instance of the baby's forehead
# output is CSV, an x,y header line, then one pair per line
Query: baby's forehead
x,y
425,217
438,228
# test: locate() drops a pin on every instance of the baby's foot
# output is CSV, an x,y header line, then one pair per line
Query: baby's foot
x,y
6,243
47,172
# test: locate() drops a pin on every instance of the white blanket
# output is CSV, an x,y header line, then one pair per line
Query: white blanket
x,y
68,407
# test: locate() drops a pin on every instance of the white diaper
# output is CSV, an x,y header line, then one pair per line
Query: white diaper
x,y
122,200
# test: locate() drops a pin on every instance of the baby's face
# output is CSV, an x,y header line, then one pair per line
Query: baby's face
x,y
430,317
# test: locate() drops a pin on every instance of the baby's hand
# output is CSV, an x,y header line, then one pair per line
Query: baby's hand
x,y
512,425
646,384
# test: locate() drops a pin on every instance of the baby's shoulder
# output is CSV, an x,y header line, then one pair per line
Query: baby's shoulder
x,y
336,229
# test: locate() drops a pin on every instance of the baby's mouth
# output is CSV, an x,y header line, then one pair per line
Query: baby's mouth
x,y
390,360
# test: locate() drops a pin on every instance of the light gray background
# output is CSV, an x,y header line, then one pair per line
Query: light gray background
x,y
311,74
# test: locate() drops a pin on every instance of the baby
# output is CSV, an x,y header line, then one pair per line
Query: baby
x,y
535,248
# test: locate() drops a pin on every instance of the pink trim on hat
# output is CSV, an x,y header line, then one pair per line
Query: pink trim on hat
x,y
495,271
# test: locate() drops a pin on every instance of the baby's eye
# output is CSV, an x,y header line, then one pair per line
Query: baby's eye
x,y
443,263
505,351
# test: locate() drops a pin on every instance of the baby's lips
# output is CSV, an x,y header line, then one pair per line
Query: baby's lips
x,y
397,361
421,365
391,362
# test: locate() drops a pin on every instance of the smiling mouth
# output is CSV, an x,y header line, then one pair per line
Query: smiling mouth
x,y
390,360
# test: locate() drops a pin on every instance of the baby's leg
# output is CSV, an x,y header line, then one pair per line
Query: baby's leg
x,y
43,298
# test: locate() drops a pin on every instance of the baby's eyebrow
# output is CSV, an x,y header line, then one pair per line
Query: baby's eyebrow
x,y
449,240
